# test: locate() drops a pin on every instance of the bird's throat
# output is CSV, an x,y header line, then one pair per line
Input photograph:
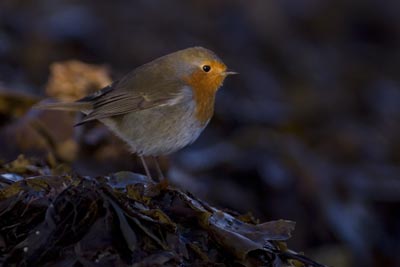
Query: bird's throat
x,y
204,90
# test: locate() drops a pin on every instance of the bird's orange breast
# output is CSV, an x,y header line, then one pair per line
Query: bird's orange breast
x,y
204,89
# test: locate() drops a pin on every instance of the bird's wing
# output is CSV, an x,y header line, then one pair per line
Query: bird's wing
x,y
132,95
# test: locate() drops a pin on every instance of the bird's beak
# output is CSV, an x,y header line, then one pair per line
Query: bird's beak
x,y
230,72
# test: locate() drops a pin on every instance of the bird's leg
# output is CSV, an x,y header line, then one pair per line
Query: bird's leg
x,y
161,176
146,169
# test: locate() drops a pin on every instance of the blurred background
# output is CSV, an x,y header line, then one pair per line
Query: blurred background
x,y
309,130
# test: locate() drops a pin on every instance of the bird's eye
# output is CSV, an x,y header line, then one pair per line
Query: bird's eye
x,y
206,68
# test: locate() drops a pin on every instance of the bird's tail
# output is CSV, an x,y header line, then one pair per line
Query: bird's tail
x,y
67,106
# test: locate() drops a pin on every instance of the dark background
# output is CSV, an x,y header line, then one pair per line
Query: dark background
x,y
309,130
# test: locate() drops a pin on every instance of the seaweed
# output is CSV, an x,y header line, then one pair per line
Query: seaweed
x,y
125,219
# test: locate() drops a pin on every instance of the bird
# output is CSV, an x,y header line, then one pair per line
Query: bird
x,y
159,107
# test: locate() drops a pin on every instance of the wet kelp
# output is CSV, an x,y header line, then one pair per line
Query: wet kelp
x,y
125,219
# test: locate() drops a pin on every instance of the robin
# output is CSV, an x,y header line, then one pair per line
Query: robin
x,y
159,107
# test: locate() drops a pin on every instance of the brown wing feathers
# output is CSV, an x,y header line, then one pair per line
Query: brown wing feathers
x,y
121,98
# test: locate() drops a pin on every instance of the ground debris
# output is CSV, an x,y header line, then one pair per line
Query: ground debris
x,y
126,220
71,80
